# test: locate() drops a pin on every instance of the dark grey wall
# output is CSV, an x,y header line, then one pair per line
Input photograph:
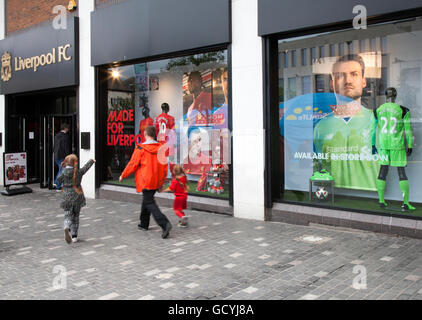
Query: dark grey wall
x,y
286,15
136,29
37,41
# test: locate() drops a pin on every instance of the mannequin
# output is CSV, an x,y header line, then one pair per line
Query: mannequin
x,y
147,121
392,120
164,122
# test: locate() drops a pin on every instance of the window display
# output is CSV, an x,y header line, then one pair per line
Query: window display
x,y
359,113
393,126
186,99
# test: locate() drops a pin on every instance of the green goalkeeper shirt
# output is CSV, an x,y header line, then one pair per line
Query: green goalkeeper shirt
x,y
347,149
393,123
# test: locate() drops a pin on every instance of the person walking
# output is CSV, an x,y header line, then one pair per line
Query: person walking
x,y
150,174
61,150
73,196
180,188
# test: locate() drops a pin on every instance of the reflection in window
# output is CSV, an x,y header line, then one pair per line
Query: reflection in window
x,y
319,83
384,44
313,54
293,58
362,45
373,44
292,87
350,46
304,58
332,50
341,49
321,51
306,85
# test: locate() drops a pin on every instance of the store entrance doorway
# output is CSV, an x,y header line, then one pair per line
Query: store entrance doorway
x,y
33,121
50,125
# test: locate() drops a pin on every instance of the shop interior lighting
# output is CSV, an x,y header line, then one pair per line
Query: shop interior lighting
x,y
115,74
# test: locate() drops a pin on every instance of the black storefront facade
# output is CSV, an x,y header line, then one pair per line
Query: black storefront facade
x,y
40,78
155,56
306,131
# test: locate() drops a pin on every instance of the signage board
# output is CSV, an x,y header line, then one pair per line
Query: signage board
x,y
15,168
40,58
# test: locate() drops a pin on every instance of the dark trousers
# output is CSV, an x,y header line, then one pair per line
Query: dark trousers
x,y
150,207
59,164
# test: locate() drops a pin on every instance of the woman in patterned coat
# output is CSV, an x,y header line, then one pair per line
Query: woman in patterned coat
x,y
73,196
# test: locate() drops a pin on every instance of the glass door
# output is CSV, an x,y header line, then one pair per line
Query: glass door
x,y
50,126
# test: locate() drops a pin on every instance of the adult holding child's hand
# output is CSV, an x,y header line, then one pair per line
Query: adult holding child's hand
x,y
150,174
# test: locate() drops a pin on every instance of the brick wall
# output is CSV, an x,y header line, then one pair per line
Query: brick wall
x,y
22,14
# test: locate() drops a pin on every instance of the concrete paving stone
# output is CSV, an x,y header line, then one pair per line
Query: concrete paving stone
x,y
132,273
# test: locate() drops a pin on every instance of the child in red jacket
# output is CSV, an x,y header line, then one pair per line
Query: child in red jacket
x,y
180,188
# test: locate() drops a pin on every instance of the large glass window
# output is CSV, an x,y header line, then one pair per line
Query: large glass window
x,y
350,136
186,99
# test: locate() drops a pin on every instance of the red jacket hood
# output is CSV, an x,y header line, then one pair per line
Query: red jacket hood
x,y
151,147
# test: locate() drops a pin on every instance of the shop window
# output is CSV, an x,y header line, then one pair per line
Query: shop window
x,y
186,99
345,126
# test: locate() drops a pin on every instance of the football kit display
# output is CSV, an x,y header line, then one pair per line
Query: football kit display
x,y
163,123
393,123
345,147
143,125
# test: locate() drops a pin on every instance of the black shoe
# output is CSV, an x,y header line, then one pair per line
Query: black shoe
x,y
142,228
166,230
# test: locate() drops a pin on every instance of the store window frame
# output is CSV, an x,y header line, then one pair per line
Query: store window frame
x,y
273,174
100,111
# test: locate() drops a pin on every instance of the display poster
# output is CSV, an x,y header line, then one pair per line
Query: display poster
x,y
205,116
15,167
120,120
332,130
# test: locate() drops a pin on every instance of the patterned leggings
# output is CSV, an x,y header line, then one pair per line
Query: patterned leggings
x,y
71,221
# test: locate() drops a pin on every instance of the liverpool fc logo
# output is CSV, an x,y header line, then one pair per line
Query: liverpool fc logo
x,y
6,67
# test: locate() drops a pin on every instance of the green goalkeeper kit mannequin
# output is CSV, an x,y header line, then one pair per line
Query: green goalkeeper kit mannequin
x,y
393,123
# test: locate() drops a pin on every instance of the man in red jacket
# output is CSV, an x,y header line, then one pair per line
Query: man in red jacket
x,y
150,174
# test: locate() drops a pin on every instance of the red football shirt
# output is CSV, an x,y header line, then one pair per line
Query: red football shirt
x,y
179,188
163,123
143,125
